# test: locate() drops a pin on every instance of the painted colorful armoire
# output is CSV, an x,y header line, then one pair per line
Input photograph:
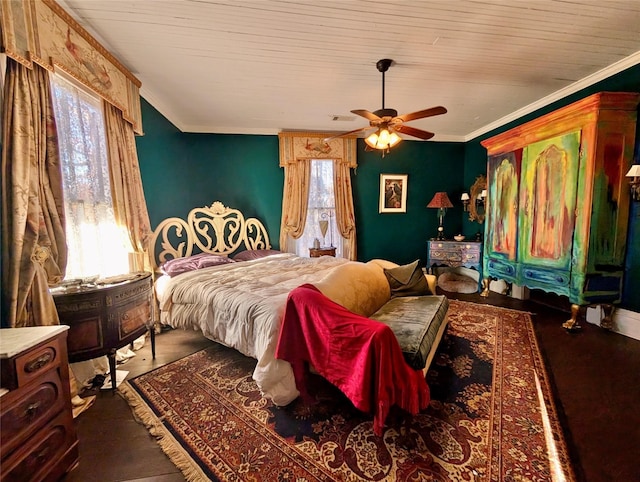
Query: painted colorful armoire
x,y
558,202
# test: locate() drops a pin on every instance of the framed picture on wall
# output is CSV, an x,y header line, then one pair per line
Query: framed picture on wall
x,y
393,193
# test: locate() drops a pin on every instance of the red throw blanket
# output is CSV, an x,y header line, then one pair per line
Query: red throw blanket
x,y
358,355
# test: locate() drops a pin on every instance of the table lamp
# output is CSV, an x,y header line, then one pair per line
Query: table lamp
x,y
441,202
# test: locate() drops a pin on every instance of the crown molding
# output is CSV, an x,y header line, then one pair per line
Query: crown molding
x,y
602,74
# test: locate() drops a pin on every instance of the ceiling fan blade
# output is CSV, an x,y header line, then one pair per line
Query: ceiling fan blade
x,y
421,114
342,134
366,114
412,131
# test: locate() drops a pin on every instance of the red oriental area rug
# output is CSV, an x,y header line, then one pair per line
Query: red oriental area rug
x,y
491,416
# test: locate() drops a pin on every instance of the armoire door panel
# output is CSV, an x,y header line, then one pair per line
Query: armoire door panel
x,y
502,213
607,246
547,201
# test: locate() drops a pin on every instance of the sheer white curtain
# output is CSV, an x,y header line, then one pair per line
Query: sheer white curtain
x,y
96,244
321,207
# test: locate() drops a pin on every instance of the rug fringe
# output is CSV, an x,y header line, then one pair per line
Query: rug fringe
x,y
143,414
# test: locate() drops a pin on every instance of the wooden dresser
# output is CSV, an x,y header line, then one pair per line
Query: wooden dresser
x,y
38,435
455,254
106,317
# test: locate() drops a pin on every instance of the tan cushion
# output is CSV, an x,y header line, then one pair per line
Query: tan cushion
x,y
359,287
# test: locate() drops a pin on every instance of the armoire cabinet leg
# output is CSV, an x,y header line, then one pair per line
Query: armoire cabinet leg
x,y
572,324
485,287
607,320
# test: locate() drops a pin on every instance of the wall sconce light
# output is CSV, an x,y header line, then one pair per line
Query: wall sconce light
x,y
383,139
441,201
481,197
465,201
634,173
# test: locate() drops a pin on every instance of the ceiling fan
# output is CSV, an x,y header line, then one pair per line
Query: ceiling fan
x,y
388,123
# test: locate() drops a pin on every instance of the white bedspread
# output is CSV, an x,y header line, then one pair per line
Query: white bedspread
x,y
241,305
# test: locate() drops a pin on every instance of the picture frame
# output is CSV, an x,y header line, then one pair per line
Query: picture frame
x,y
393,193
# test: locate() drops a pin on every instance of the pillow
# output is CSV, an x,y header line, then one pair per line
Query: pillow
x,y
407,280
358,287
250,254
176,266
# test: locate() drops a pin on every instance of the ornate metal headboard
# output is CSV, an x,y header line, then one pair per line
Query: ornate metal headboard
x,y
214,229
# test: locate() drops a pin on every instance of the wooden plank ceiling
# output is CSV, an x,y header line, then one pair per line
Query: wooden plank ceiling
x,y
261,66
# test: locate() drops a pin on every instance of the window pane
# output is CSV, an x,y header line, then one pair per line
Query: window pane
x,y
321,207
95,244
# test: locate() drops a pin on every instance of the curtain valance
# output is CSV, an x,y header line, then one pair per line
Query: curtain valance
x,y
312,145
41,31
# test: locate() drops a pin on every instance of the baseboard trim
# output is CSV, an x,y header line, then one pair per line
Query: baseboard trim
x,y
625,322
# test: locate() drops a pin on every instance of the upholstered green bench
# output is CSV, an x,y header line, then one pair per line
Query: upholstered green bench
x,y
418,323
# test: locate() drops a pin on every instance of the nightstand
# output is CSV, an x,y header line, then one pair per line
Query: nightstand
x,y
104,318
455,254
326,251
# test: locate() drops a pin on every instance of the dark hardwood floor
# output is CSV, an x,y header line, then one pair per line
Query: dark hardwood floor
x,y
595,374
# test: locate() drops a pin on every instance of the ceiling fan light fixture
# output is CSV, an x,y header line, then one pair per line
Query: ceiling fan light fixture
x,y
372,140
394,139
388,123
383,139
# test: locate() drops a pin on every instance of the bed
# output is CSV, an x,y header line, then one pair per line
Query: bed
x,y
237,303
236,289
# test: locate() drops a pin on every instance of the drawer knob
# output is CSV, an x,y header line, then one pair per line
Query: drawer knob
x,y
31,410
38,363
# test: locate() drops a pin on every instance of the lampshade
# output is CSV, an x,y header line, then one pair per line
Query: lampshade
x,y
634,171
464,197
383,139
440,200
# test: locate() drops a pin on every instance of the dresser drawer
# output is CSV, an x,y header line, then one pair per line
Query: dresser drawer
x,y
133,319
450,252
24,414
20,370
441,254
40,459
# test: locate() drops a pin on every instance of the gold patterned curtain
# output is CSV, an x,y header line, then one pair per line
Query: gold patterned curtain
x,y
129,205
296,151
294,202
345,217
34,252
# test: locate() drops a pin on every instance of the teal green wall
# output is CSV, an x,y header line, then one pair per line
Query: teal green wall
x,y
475,164
631,291
401,237
180,171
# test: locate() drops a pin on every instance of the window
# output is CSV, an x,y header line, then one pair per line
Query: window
x,y
95,244
321,210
